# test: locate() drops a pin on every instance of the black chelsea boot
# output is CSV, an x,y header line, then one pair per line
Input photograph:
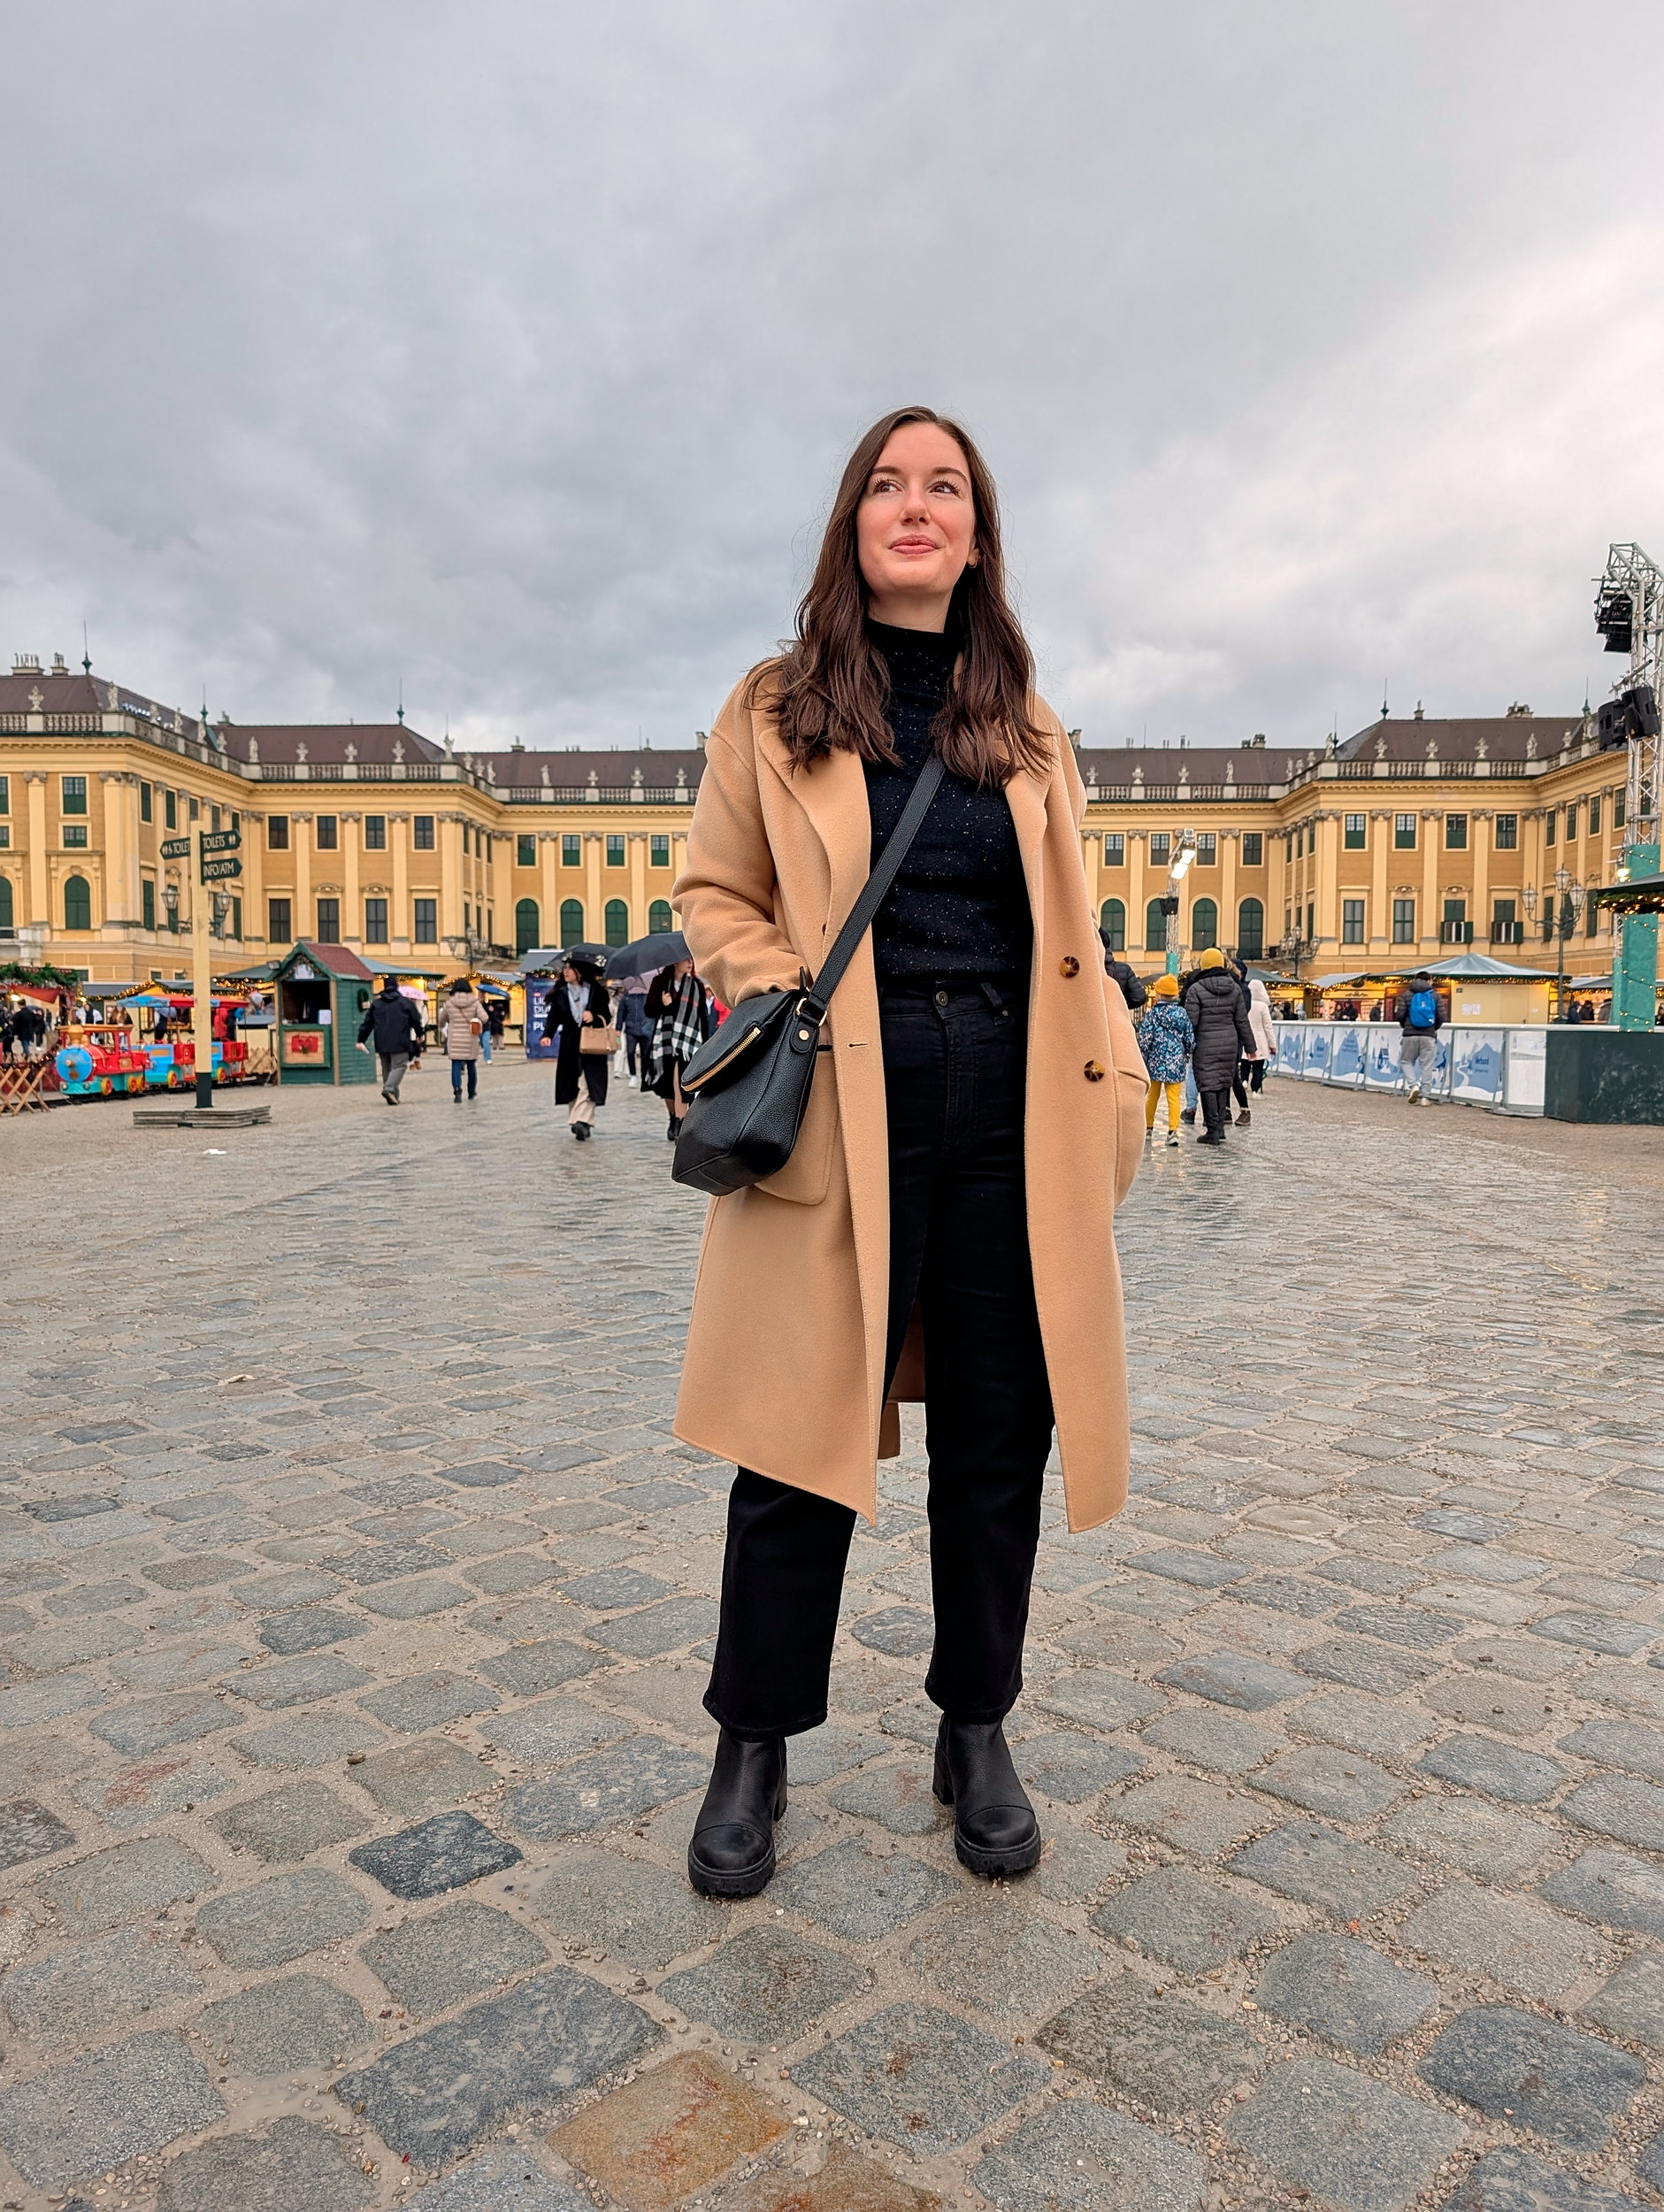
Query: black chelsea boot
x,y
732,1854
994,1828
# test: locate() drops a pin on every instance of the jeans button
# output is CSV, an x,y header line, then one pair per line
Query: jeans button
x,y
942,998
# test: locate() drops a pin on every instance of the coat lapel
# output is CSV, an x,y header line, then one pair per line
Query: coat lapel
x,y
832,795
1026,795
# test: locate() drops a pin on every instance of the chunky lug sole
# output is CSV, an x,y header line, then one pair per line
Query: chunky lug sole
x,y
979,1860
744,1881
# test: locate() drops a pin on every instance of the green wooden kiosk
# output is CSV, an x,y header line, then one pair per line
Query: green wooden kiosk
x,y
320,993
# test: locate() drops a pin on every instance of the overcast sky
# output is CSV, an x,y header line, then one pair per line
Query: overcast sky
x,y
511,349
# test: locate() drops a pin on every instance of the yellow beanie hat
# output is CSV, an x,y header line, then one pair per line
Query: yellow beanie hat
x,y
1213,957
1165,986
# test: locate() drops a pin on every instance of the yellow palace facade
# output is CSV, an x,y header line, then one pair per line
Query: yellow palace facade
x,y
1409,838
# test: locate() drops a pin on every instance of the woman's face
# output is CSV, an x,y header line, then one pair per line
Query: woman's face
x,y
568,974
915,527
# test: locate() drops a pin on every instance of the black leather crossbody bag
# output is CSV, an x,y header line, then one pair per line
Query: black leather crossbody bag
x,y
748,1086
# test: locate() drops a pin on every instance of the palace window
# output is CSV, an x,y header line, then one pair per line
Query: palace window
x,y
525,850
1206,848
1404,833
1617,799
615,859
1253,849
170,810
329,921
572,851
277,833
194,806
147,802
1112,921
1592,918
572,921
375,833
74,795
660,917
280,927
1551,825
617,921
1506,835
1455,929
375,921
75,834
422,833
5,837
236,918
1594,816
658,852
527,922
1455,832
1204,924
1571,823
5,903
1115,849
1300,843
1352,921
147,903
1311,922
77,902
427,919
5,796
1404,921
1250,929
328,839
1355,832
1155,927
214,818
1160,848
1505,926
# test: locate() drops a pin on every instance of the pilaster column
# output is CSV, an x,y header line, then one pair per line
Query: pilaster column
x,y
1479,844
636,851
448,830
119,834
40,876
352,916
401,920
1328,892
1380,898
1228,886
548,920
1432,908
1135,891
252,887
595,905
301,846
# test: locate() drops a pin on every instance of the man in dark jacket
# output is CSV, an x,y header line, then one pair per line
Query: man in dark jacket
x,y
1132,989
396,1025
1224,1039
1420,1019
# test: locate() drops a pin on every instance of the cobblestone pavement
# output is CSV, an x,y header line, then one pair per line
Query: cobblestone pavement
x,y
353,1598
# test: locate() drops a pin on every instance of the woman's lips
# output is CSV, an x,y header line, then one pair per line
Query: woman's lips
x,y
912,545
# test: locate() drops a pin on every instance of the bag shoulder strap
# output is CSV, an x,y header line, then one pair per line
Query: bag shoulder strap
x,y
885,871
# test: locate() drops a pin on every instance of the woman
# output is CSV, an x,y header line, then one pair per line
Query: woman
x,y
1218,1015
580,1002
1265,1038
462,1019
678,1024
1165,1038
975,1112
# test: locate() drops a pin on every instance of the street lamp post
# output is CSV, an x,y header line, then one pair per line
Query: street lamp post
x,y
1565,902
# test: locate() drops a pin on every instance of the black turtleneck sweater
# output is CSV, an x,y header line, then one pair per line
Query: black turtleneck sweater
x,y
960,906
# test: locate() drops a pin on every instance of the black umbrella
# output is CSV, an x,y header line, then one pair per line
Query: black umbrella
x,y
661,949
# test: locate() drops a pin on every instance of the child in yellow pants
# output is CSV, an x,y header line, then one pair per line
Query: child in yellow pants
x,y
1165,1039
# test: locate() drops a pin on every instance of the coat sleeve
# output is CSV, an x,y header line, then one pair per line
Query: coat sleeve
x,y
725,891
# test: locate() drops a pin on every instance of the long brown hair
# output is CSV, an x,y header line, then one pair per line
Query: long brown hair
x,y
831,687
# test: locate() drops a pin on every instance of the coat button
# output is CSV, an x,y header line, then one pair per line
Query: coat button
x,y
1094,1072
1069,966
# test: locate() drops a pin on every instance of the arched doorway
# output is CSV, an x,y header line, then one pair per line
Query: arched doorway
x,y
572,921
525,925
617,922
78,905
1112,921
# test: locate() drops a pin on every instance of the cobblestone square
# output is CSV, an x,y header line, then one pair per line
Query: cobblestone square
x,y
355,1608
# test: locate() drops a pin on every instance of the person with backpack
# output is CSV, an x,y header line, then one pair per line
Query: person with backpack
x,y
1420,1021
1132,989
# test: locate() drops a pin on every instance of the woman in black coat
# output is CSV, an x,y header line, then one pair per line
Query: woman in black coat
x,y
578,1002
1224,1039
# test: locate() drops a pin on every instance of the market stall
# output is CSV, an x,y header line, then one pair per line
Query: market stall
x,y
319,994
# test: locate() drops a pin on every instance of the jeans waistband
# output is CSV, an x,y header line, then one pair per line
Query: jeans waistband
x,y
996,991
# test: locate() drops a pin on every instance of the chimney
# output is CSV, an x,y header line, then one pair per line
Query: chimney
x,y
25,665
60,667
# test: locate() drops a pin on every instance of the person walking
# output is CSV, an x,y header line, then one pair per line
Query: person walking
x,y
1239,1074
1132,989
679,1023
394,1024
1420,1019
943,1227
1253,1068
462,1021
1220,1019
1165,1039
578,1007
633,1020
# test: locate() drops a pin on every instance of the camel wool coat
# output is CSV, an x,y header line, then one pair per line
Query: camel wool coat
x,y
783,1372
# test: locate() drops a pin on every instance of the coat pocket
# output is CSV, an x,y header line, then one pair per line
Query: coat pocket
x,y
807,1176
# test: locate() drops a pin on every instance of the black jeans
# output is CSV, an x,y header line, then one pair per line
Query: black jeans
x,y
1214,1106
954,1059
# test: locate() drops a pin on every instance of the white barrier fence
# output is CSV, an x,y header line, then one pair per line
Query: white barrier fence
x,y
1478,1063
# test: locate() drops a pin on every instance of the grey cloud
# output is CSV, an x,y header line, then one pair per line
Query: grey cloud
x,y
511,349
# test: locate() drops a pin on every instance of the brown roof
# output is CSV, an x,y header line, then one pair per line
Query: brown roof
x,y
1504,737
336,960
612,772
281,741
1161,767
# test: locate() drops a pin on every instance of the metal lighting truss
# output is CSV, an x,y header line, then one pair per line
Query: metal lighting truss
x,y
1634,584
